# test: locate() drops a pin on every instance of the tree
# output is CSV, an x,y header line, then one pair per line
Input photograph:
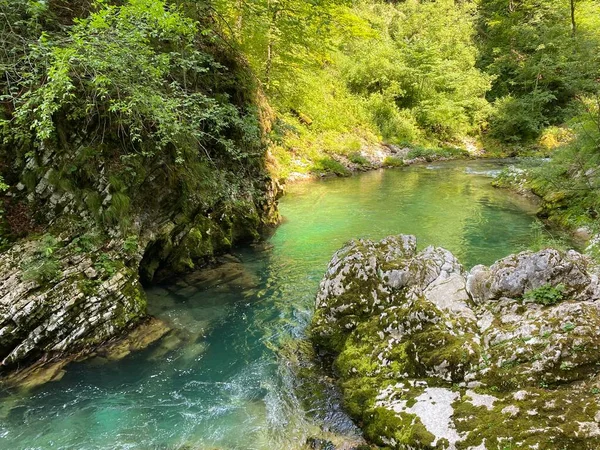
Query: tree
x,y
539,67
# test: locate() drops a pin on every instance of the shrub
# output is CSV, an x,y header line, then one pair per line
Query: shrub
x,y
358,159
395,125
329,165
392,161
431,154
517,119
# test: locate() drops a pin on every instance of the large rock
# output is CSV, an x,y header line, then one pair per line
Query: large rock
x,y
78,285
429,356
81,299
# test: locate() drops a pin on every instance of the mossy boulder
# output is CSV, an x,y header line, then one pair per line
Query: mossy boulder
x,y
429,356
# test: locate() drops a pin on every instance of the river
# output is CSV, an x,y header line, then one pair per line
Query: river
x,y
218,384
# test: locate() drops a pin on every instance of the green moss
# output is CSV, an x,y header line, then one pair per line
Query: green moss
x,y
359,395
392,161
406,429
546,419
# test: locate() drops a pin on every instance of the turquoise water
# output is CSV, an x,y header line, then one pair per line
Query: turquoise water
x,y
215,382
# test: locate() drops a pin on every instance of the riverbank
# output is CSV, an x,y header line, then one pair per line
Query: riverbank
x,y
524,179
118,180
380,156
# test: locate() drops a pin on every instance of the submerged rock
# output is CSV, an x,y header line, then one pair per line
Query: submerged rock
x,y
429,356
140,338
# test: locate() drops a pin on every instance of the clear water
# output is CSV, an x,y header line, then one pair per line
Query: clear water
x,y
219,383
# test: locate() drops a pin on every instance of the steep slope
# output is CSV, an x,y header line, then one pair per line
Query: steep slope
x,y
133,145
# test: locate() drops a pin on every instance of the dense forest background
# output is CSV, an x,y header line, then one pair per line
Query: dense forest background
x,y
311,80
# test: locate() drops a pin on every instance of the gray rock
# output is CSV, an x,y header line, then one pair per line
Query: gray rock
x,y
77,309
517,274
429,356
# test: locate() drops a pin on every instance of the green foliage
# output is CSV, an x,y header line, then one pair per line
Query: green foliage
x,y
395,125
365,71
131,98
280,35
3,239
131,244
545,295
542,238
44,266
86,242
539,63
418,71
330,165
106,265
431,154
358,159
391,161
521,118
570,183
133,68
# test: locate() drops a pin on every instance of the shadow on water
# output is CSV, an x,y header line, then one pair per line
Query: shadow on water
x,y
215,381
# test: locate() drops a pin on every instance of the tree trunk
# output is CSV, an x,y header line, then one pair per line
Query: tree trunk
x,y
270,48
239,23
573,22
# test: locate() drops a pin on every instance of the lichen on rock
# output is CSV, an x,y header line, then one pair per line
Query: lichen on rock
x,y
430,356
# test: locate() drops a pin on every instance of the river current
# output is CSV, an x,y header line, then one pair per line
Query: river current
x,y
219,383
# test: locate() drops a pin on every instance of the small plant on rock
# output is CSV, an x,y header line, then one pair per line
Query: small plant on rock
x,y
106,265
43,267
545,295
330,165
392,161
359,159
131,244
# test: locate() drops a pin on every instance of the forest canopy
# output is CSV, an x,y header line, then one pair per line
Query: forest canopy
x,y
341,76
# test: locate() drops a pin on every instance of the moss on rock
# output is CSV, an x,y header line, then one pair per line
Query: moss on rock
x,y
428,356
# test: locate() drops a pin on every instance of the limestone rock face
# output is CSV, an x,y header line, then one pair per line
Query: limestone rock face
x,y
90,298
429,356
105,234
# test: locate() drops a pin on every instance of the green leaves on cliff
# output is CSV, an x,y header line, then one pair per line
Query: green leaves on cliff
x,y
43,267
137,71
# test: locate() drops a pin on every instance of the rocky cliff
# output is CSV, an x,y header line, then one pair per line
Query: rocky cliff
x,y
431,356
130,179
